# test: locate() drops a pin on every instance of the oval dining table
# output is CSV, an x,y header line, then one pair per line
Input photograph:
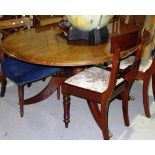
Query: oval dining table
x,y
46,46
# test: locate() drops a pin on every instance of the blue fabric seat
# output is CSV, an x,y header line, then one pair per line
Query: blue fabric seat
x,y
21,72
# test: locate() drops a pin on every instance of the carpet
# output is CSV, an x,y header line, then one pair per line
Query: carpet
x,y
44,120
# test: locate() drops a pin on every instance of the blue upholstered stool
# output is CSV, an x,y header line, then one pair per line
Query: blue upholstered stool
x,y
22,73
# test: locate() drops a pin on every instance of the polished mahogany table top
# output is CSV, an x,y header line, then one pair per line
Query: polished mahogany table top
x,y
45,46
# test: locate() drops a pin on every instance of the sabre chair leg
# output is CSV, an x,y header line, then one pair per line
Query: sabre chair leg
x,y
105,129
145,97
153,84
21,99
125,110
125,98
96,113
104,120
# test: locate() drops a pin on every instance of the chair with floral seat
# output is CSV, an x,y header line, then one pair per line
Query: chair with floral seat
x,y
100,86
21,73
146,71
147,65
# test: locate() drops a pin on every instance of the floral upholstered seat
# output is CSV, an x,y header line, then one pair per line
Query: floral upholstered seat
x,y
94,78
144,65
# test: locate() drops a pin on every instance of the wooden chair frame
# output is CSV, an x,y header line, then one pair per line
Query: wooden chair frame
x,y
120,91
145,77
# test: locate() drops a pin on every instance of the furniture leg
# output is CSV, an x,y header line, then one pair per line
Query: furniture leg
x,y
58,93
145,96
104,121
21,99
52,86
125,99
66,104
3,84
153,84
94,109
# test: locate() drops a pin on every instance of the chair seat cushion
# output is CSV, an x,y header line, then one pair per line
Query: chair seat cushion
x,y
94,78
144,65
22,72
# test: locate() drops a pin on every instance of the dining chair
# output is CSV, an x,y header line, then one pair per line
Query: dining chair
x,y
43,20
20,72
100,86
146,69
145,72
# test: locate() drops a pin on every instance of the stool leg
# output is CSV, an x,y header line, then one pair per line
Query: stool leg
x,y
21,99
3,84
66,103
58,93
